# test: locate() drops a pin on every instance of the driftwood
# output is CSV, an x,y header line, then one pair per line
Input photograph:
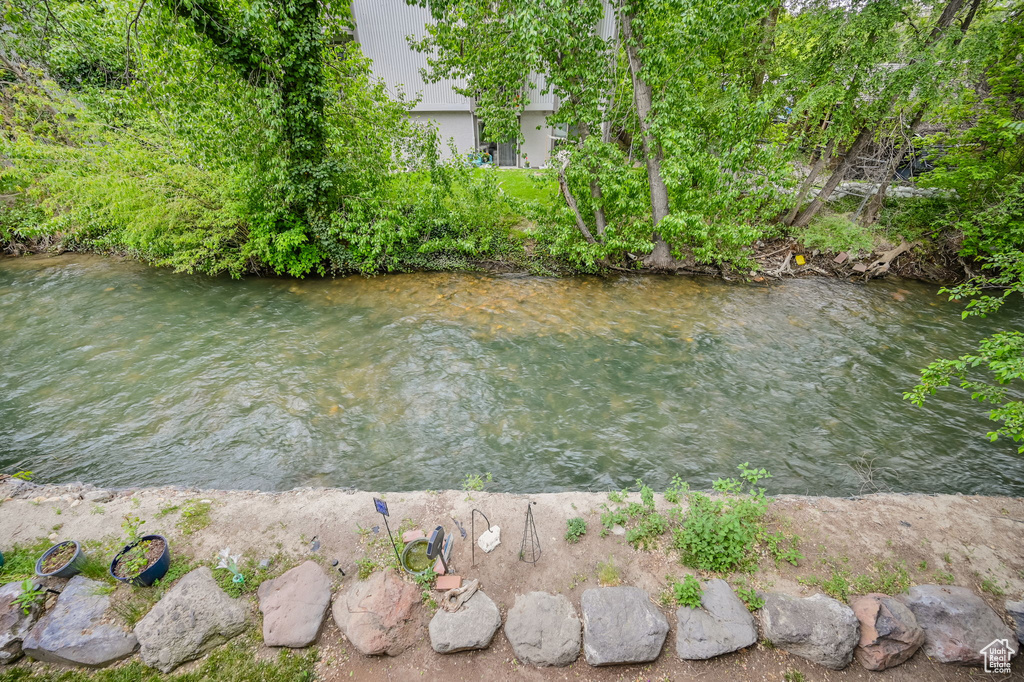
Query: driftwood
x,y
881,266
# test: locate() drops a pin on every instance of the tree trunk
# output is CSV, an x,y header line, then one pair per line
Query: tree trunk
x,y
809,181
766,47
805,216
661,256
875,204
563,186
944,22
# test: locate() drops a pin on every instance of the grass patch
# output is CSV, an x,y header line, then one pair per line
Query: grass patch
x,y
525,184
253,573
832,232
20,561
195,516
608,574
235,662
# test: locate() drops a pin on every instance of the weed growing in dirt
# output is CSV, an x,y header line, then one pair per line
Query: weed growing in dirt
x,y
195,516
677,490
608,573
426,582
474,483
719,534
748,595
20,561
576,529
366,567
793,676
989,585
685,592
943,578
885,578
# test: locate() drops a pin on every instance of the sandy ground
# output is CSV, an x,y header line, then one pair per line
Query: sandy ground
x,y
982,538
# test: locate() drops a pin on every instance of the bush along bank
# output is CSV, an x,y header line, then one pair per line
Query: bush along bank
x,y
629,578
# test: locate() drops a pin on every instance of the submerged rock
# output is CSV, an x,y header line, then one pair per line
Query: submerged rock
x,y
621,625
294,605
817,628
195,616
957,623
79,629
544,629
471,627
889,633
721,625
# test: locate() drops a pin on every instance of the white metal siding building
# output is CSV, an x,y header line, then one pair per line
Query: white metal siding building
x,y
382,28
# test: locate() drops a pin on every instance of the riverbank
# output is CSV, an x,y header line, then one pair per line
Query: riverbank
x,y
936,262
967,541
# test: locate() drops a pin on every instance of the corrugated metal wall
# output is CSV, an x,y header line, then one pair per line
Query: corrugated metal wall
x,y
381,29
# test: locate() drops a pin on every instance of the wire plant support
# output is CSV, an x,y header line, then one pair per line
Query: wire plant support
x,y
472,530
529,550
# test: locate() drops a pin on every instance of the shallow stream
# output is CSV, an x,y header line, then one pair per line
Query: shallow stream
x,y
119,374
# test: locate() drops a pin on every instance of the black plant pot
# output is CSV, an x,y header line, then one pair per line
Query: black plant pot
x,y
155,571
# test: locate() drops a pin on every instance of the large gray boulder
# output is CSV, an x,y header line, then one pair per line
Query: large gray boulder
x,y
294,605
621,625
957,623
79,630
1016,611
817,628
721,625
889,633
379,615
195,616
471,627
14,623
544,629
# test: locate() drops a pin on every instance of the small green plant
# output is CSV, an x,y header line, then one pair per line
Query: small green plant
x,y
426,581
720,534
677,489
793,676
608,573
58,511
30,595
783,547
948,559
944,578
23,475
366,567
618,497
748,595
167,510
923,566
195,516
98,509
989,585
685,592
475,482
576,529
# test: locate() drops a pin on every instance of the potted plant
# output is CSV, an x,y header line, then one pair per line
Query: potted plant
x,y
144,559
63,560
414,557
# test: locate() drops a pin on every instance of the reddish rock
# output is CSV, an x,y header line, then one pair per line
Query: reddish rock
x,y
889,633
380,615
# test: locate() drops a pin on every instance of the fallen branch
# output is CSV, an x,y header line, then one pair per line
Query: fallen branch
x,y
881,266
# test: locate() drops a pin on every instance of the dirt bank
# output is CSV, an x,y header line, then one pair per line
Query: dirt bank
x,y
973,541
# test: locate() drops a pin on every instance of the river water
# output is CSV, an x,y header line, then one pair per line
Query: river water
x,y
123,375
